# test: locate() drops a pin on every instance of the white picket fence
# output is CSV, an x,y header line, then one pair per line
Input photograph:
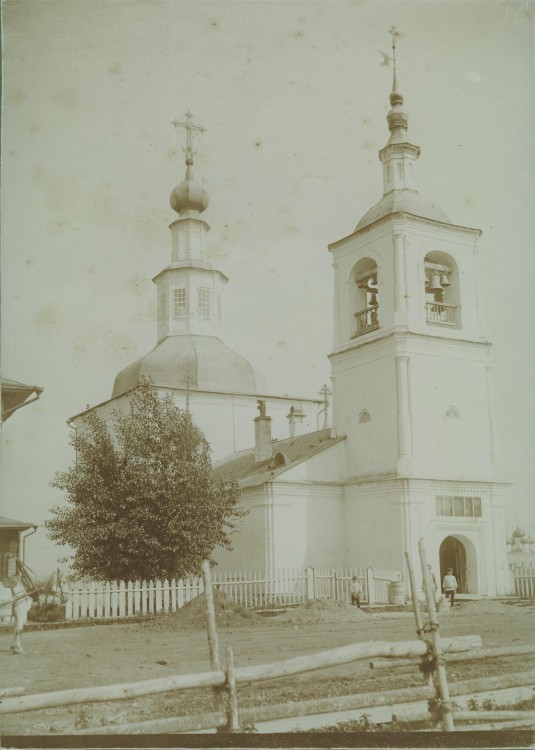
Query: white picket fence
x,y
524,579
251,589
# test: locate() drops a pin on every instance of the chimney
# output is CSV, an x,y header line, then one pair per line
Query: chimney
x,y
296,421
262,429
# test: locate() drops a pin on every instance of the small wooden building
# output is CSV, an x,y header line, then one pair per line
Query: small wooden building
x,y
11,541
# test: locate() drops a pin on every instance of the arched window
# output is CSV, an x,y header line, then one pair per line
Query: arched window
x,y
365,296
442,297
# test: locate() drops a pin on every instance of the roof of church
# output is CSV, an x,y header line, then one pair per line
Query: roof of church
x,y
200,363
405,201
243,467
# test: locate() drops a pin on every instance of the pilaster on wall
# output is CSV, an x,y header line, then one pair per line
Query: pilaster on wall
x,y
401,315
404,416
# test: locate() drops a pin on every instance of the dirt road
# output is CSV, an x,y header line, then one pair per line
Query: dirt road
x,y
110,654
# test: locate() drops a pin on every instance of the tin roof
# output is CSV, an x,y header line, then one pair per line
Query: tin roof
x,y
243,467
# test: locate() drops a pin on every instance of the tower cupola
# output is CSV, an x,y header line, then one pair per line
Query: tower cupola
x,y
398,156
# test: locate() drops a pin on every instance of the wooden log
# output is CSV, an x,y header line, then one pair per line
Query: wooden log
x,y
172,724
518,724
442,680
427,677
6,692
111,692
330,658
454,656
213,644
415,603
498,715
249,716
232,711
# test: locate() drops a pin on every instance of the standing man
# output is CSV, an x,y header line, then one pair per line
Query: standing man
x,y
449,584
356,592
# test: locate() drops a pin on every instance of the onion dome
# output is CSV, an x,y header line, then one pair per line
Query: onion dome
x,y
189,194
518,533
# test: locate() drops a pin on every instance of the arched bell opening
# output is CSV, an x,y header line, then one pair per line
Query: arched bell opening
x,y
365,297
458,552
442,293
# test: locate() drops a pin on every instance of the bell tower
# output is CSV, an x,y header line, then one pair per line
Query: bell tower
x,y
411,374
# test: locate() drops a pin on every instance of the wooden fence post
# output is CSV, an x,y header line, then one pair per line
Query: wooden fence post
x,y
428,677
443,690
370,585
213,644
311,594
233,724
122,599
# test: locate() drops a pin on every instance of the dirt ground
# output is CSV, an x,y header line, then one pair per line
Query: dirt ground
x,y
177,644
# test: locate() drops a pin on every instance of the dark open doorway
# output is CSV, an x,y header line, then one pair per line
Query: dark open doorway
x,y
453,555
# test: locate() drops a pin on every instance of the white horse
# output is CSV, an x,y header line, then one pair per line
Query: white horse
x,y
18,593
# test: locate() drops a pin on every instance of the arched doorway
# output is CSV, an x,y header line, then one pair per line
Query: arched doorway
x,y
459,555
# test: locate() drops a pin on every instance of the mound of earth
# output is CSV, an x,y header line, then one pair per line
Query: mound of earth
x,y
321,610
228,614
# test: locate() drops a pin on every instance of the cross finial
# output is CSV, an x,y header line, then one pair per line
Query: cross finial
x,y
394,34
325,392
189,127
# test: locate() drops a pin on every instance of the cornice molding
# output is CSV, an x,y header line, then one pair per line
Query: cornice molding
x,y
411,219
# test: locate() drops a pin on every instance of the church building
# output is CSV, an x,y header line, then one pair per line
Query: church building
x,y
411,450
218,386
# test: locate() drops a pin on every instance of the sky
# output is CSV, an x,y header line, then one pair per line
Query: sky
x,y
293,97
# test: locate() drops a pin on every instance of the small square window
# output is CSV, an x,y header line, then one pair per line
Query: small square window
x,y
477,507
448,506
439,503
458,506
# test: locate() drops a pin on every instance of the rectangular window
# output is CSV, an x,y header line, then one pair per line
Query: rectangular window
x,y
219,308
460,507
204,302
180,305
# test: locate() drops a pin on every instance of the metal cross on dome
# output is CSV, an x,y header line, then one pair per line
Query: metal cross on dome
x,y
189,127
394,34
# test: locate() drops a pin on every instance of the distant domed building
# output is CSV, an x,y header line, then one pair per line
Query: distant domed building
x,y
219,387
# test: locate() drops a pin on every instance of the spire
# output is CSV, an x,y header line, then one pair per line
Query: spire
x,y
398,156
397,119
189,196
394,35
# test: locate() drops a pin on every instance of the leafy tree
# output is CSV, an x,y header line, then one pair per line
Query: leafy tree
x,y
141,498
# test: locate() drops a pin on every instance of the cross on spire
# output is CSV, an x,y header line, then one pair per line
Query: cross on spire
x,y
189,127
394,34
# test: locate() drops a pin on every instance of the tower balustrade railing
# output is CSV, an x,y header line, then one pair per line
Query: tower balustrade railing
x,y
366,320
441,313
